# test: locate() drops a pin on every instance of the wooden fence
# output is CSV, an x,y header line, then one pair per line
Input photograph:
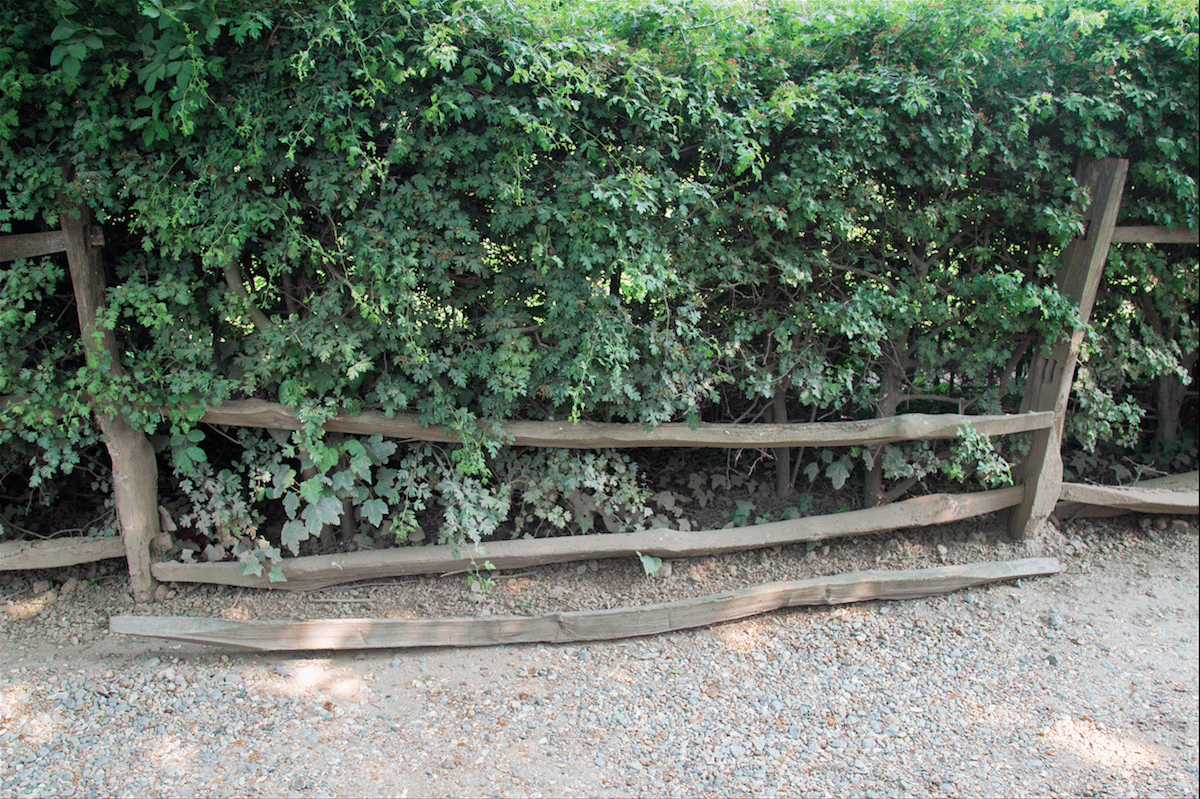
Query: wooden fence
x,y
1032,500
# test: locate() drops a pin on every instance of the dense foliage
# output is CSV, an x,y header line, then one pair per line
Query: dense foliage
x,y
627,212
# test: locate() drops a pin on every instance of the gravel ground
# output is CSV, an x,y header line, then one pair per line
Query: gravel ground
x,y
1080,684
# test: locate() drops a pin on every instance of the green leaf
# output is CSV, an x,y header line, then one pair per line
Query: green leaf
x,y
379,449
650,564
837,474
283,479
251,565
70,66
327,511
327,458
313,489
291,504
276,574
292,534
341,481
373,510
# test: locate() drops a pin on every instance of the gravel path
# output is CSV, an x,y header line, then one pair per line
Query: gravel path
x,y
1081,684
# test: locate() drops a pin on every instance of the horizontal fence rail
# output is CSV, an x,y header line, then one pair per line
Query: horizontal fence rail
x,y
320,571
1154,234
1178,494
908,427
31,245
58,552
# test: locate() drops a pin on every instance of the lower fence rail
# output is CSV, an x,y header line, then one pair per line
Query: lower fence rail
x,y
320,571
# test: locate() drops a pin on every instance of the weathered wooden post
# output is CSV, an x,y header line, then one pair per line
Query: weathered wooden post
x,y
1050,376
135,469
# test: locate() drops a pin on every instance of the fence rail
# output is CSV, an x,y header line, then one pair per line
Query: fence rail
x,y
320,571
907,427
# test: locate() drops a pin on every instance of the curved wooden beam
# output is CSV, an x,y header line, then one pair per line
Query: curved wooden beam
x,y
58,552
587,625
907,427
1178,493
320,571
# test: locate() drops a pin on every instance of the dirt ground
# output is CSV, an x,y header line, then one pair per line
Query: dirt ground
x,y
1122,619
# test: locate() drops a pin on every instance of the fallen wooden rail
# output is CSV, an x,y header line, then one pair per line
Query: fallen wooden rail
x,y
587,625
319,571
58,552
907,427
1178,493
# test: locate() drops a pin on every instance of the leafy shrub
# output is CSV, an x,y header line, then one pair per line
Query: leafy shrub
x,y
474,211
371,492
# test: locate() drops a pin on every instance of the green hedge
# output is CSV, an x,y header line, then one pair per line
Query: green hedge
x,y
627,212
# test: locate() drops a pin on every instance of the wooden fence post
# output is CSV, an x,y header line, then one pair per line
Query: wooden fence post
x,y
1050,377
135,468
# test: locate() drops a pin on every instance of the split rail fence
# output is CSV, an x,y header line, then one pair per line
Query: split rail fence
x,y
1029,503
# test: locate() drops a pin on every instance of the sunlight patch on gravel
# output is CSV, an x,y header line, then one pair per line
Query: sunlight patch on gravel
x,y
170,752
17,716
1098,746
12,700
750,635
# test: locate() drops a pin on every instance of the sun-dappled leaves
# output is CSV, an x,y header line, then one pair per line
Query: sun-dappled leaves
x,y
600,212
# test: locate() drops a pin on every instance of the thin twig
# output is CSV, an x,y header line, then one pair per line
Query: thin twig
x,y
353,586
496,577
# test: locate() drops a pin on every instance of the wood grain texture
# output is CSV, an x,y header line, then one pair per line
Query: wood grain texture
x,y
320,571
31,245
1048,387
15,555
908,427
134,464
1175,494
589,625
1154,234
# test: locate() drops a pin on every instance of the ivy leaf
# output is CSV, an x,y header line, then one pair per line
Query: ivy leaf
x,y
282,480
292,534
837,474
313,489
650,564
327,459
342,481
327,511
378,449
373,510
291,504
251,565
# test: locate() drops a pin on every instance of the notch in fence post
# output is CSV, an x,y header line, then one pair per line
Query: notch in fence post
x,y
1050,376
135,468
